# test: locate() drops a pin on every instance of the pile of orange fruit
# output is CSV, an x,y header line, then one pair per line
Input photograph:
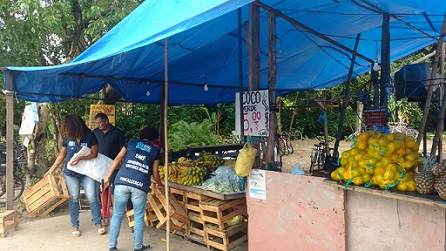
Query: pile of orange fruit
x,y
384,160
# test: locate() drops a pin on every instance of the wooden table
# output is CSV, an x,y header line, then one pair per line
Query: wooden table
x,y
197,190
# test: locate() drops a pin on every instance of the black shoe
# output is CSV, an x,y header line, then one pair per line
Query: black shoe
x,y
113,249
144,247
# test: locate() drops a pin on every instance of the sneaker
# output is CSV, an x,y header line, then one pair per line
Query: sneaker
x,y
113,249
144,247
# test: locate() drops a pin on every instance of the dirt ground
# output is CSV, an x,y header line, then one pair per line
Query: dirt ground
x,y
302,152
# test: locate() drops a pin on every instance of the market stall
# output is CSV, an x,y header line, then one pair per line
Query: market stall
x,y
207,202
310,213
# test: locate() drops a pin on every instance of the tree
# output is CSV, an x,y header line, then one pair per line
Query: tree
x,y
47,32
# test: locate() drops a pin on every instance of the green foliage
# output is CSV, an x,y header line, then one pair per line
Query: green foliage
x,y
184,134
403,111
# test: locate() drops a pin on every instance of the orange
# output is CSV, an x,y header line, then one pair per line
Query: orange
x,y
399,135
402,187
408,151
388,175
410,143
378,178
411,186
361,145
411,157
379,170
344,161
363,137
390,137
386,161
391,167
366,177
371,162
345,154
400,151
391,147
357,181
334,175
383,141
394,157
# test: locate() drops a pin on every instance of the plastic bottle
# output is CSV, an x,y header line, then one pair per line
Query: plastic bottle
x,y
297,170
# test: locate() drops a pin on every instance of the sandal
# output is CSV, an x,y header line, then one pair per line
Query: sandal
x,y
76,233
101,230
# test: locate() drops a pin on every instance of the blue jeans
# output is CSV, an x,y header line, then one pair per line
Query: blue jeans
x,y
139,198
91,188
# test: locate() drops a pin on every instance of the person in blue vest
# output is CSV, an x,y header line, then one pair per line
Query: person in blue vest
x,y
141,161
77,135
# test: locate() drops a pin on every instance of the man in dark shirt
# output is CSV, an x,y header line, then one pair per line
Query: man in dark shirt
x,y
110,139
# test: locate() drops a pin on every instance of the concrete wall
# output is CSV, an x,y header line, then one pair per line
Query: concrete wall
x,y
305,213
379,223
299,213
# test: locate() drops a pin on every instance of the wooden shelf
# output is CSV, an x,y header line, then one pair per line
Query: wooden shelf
x,y
197,190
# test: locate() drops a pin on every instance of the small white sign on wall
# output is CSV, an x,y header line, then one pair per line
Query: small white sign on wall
x,y
28,124
257,184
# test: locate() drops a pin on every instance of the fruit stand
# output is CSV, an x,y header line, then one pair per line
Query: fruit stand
x,y
375,200
207,201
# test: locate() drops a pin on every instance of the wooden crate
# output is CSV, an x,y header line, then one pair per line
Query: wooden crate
x,y
227,239
46,195
8,220
218,212
149,217
178,216
192,201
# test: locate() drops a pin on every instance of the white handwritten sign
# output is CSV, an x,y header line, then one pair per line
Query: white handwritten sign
x,y
255,113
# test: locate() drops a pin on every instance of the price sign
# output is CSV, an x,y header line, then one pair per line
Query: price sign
x,y
109,110
255,113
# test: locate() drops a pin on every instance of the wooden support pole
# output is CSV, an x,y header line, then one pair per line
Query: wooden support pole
x,y
437,143
253,43
272,75
345,100
431,83
9,139
166,146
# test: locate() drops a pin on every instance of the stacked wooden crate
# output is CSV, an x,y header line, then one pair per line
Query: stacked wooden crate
x,y
195,228
215,213
46,195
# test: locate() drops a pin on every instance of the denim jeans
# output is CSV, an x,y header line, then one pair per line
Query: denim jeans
x,y
139,198
91,188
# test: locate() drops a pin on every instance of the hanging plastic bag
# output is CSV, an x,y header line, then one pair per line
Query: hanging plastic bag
x,y
245,160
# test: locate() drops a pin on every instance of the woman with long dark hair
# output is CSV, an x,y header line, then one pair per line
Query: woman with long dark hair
x,y
77,135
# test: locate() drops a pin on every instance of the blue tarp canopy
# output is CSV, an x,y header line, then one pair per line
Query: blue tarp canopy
x,y
203,49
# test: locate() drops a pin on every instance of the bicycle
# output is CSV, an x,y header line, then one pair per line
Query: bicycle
x,y
283,144
18,173
318,156
295,134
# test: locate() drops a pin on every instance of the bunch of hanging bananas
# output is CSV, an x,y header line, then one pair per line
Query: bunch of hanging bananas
x,y
210,161
191,176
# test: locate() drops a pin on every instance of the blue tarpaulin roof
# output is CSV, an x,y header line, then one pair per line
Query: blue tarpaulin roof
x,y
203,49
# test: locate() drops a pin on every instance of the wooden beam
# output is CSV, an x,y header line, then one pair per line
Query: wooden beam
x,y
272,77
346,97
9,139
431,82
303,26
253,44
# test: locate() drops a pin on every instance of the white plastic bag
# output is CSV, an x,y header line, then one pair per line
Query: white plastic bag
x,y
96,168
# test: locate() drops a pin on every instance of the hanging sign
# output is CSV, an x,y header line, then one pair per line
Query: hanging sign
x,y
109,110
28,124
255,113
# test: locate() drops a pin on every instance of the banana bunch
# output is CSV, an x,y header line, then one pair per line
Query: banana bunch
x,y
209,160
191,176
173,170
